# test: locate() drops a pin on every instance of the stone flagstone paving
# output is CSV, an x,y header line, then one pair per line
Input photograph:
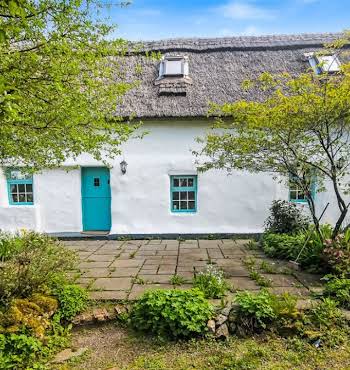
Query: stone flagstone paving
x,y
118,270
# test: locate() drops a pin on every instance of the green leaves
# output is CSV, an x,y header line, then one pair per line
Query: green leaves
x,y
172,313
60,89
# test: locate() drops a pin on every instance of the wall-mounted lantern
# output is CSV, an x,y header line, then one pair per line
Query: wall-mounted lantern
x,y
123,166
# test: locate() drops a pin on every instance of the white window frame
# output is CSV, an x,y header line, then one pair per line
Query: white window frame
x,y
322,64
181,59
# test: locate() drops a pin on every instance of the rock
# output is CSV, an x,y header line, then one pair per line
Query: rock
x,y
222,332
346,314
100,314
68,354
120,309
232,327
226,311
220,319
211,326
305,304
84,318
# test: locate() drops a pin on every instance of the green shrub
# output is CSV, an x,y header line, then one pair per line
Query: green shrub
x,y
288,247
285,218
171,313
339,290
211,282
337,254
282,246
72,299
262,310
19,351
31,262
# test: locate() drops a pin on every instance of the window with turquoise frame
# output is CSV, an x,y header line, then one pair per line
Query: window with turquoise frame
x,y
183,192
20,188
296,193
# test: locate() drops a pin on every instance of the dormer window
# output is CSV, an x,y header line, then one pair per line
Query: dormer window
x,y
173,66
323,63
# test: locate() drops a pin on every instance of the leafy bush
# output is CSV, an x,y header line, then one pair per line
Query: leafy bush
x,y
288,247
72,300
31,262
257,311
171,313
339,290
211,282
285,218
282,246
337,253
19,351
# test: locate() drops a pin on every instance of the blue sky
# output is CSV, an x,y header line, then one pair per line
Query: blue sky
x,y
155,19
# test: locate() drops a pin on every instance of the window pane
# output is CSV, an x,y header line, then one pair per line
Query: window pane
x,y
21,188
176,183
191,205
183,195
96,181
301,195
21,198
29,188
191,195
30,197
13,188
190,182
14,198
176,195
293,194
183,205
176,205
183,182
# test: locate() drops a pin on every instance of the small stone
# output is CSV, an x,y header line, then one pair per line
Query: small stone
x,y
220,319
84,318
211,326
226,311
304,304
100,314
222,332
68,354
120,309
346,314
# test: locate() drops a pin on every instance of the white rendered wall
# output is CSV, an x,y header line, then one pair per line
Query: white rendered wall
x,y
237,203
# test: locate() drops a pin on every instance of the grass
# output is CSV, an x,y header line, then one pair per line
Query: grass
x,y
111,345
177,280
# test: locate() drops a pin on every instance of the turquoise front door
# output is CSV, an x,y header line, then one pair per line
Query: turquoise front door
x,y
96,198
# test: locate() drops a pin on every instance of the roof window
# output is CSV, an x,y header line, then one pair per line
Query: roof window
x,y
323,63
173,66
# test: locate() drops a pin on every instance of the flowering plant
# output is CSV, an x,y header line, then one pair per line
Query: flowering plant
x,y
337,253
211,282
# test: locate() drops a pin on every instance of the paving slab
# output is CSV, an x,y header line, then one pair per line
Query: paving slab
x,y
108,295
90,264
279,280
127,263
242,283
125,272
155,278
119,283
95,273
101,257
167,269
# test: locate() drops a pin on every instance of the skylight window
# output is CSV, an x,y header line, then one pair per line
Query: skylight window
x,y
323,63
173,66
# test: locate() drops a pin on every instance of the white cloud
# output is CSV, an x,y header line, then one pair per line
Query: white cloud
x,y
239,10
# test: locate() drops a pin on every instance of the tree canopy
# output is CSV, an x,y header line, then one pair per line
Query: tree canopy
x,y
61,78
301,130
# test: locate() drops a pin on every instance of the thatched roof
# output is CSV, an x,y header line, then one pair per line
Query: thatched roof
x,y
217,67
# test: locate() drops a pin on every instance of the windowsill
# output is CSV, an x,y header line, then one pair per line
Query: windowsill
x,y
298,201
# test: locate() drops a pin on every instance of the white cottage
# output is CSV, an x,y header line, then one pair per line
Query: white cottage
x,y
154,189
